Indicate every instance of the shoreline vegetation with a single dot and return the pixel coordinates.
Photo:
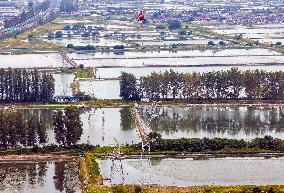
(117, 103)
(183, 147)
(193, 189)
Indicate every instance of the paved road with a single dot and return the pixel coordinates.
(43, 15)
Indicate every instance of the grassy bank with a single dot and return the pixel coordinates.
(120, 103)
(84, 73)
(90, 172)
(209, 189)
(184, 147)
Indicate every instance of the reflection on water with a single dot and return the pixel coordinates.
(102, 125)
(97, 89)
(226, 122)
(34, 177)
(189, 172)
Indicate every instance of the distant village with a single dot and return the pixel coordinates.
(232, 12)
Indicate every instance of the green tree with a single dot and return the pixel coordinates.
(58, 34)
(2, 84)
(173, 25)
(128, 87)
(211, 43)
(50, 35)
(3, 131)
(26, 91)
(46, 88)
(35, 86)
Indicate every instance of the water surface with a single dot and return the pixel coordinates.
(102, 125)
(189, 172)
(43, 60)
(34, 177)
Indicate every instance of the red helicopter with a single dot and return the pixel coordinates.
(141, 16)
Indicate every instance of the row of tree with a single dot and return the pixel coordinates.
(18, 85)
(87, 47)
(16, 129)
(230, 84)
(83, 28)
(206, 144)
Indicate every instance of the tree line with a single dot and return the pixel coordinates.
(206, 144)
(17, 85)
(230, 84)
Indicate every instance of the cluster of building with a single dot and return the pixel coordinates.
(228, 11)
(10, 9)
(34, 14)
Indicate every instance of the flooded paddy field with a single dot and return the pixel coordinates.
(63, 83)
(102, 125)
(187, 53)
(181, 58)
(269, 33)
(271, 41)
(108, 89)
(143, 71)
(257, 32)
(97, 89)
(142, 59)
(177, 42)
(39, 60)
(190, 172)
(189, 62)
(39, 176)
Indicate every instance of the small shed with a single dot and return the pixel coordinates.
(65, 99)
